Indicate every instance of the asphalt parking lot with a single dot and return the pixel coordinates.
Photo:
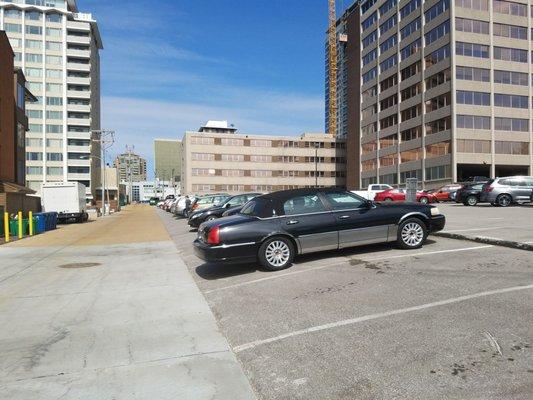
(449, 321)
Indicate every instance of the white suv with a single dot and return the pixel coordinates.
(505, 191)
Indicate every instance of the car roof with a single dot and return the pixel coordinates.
(287, 194)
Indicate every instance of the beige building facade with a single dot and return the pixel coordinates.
(235, 163)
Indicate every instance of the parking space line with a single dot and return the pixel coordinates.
(340, 262)
(351, 321)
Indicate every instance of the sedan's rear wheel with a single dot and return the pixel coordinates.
(276, 253)
(424, 200)
(471, 201)
(387, 199)
(504, 200)
(411, 234)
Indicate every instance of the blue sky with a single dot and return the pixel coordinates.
(170, 65)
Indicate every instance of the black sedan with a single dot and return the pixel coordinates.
(198, 217)
(274, 228)
(469, 194)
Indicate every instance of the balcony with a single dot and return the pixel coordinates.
(79, 121)
(78, 39)
(79, 108)
(78, 67)
(78, 81)
(79, 94)
(79, 53)
(78, 149)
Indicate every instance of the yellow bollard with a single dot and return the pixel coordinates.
(30, 222)
(20, 224)
(6, 227)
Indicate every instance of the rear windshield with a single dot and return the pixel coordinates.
(258, 208)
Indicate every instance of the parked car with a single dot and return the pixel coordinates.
(179, 209)
(201, 203)
(399, 195)
(276, 227)
(232, 211)
(506, 191)
(445, 193)
(478, 179)
(469, 194)
(371, 191)
(209, 214)
(173, 205)
(153, 201)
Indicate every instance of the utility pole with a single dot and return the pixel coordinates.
(129, 177)
(106, 139)
(316, 163)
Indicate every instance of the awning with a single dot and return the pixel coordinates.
(9, 187)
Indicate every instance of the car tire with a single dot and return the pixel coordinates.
(412, 233)
(276, 253)
(424, 200)
(504, 200)
(210, 218)
(470, 201)
(387, 199)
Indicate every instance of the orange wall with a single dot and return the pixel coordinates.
(7, 112)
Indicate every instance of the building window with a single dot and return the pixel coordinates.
(232, 142)
(34, 30)
(260, 158)
(388, 24)
(203, 188)
(367, 6)
(411, 155)
(232, 157)
(34, 156)
(260, 143)
(472, 50)
(473, 146)
(482, 5)
(35, 128)
(13, 28)
(54, 171)
(410, 91)
(56, 156)
(473, 98)
(12, 13)
(410, 174)
(371, 38)
(509, 54)
(79, 170)
(411, 70)
(436, 10)
(411, 134)
(58, 143)
(389, 160)
(439, 125)
(510, 101)
(410, 28)
(34, 15)
(473, 122)
(370, 56)
(388, 63)
(202, 156)
(54, 60)
(53, 128)
(409, 8)
(388, 83)
(34, 170)
(368, 181)
(388, 102)
(510, 78)
(202, 140)
(261, 173)
(369, 93)
(54, 87)
(436, 173)
(53, 17)
(472, 74)
(511, 124)
(437, 149)
(388, 5)
(34, 142)
(34, 44)
(438, 55)
(53, 32)
(388, 121)
(515, 148)
(371, 74)
(411, 112)
(388, 179)
(54, 101)
(34, 58)
(232, 172)
(369, 147)
(37, 114)
(436, 33)
(472, 26)
(369, 129)
(54, 46)
(411, 49)
(438, 102)
(54, 73)
(509, 8)
(438, 79)
(367, 23)
(388, 141)
(369, 165)
(388, 44)
(509, 31)
(202, 171)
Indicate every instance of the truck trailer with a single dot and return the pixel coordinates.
(68, 199)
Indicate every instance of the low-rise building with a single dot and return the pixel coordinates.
(142, 192)
(217, 159)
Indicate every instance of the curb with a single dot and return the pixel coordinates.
(487, 240)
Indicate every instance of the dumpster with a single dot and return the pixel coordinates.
(14, 227)
(40, 223)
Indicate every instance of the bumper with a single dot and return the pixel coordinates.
(225, 253)
(437, 223)
(195, 222)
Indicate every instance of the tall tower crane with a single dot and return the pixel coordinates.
(332, 65)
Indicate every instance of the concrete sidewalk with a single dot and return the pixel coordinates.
(113, 314)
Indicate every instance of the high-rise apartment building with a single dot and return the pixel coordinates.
(217, 159)
(167, 156)
(58, 47)
(130, 166)
(445, 90)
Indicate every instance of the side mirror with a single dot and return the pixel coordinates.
(228, 205)
(369, 204)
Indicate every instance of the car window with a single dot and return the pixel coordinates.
(504, 182)
(237, 201)
(514, 182)
(529, 181)
(384, 187)
(258, 208)
(307, 204)
(344, 201)
(375, 187)
(477, 187)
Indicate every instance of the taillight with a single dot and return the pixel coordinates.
(213, 236)
(487, 188)
(194, 206)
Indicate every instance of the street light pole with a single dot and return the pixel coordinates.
(316, 164)
(105, 139)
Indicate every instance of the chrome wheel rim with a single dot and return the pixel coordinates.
(504, 201)
(471, 201)
(277, 253)
(412, 234)
(424, 200)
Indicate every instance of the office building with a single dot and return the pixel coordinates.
(218, 159)
(131, 167)
(58, 47)
(444, 90)
(167, 156)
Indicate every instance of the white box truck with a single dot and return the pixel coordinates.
(68, 199)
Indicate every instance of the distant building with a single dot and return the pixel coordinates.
(217, 159)
(144, 191)
(13, 127)
(58, 48)
(167, 156)
(130, 164)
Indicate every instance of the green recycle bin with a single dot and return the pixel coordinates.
(14, 227)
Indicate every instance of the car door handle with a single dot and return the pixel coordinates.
(292, 222)
(344, 217)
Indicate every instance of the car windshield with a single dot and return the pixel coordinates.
(258, 208)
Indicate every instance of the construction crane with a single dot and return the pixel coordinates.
(332, 65)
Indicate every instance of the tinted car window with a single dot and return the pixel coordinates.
(258, 208)
(303, 205)
(504, 182)
(344, 201)
(237, 201)
(477, 187)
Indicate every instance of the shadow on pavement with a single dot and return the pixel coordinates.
(211, 271)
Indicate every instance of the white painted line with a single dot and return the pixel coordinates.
(339, 262)
(274, 277)
(370, 317)
(476, 229)
(429, 253)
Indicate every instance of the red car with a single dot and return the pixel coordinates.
(444, 193)
(399, 195)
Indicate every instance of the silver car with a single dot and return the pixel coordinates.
(508, 190)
